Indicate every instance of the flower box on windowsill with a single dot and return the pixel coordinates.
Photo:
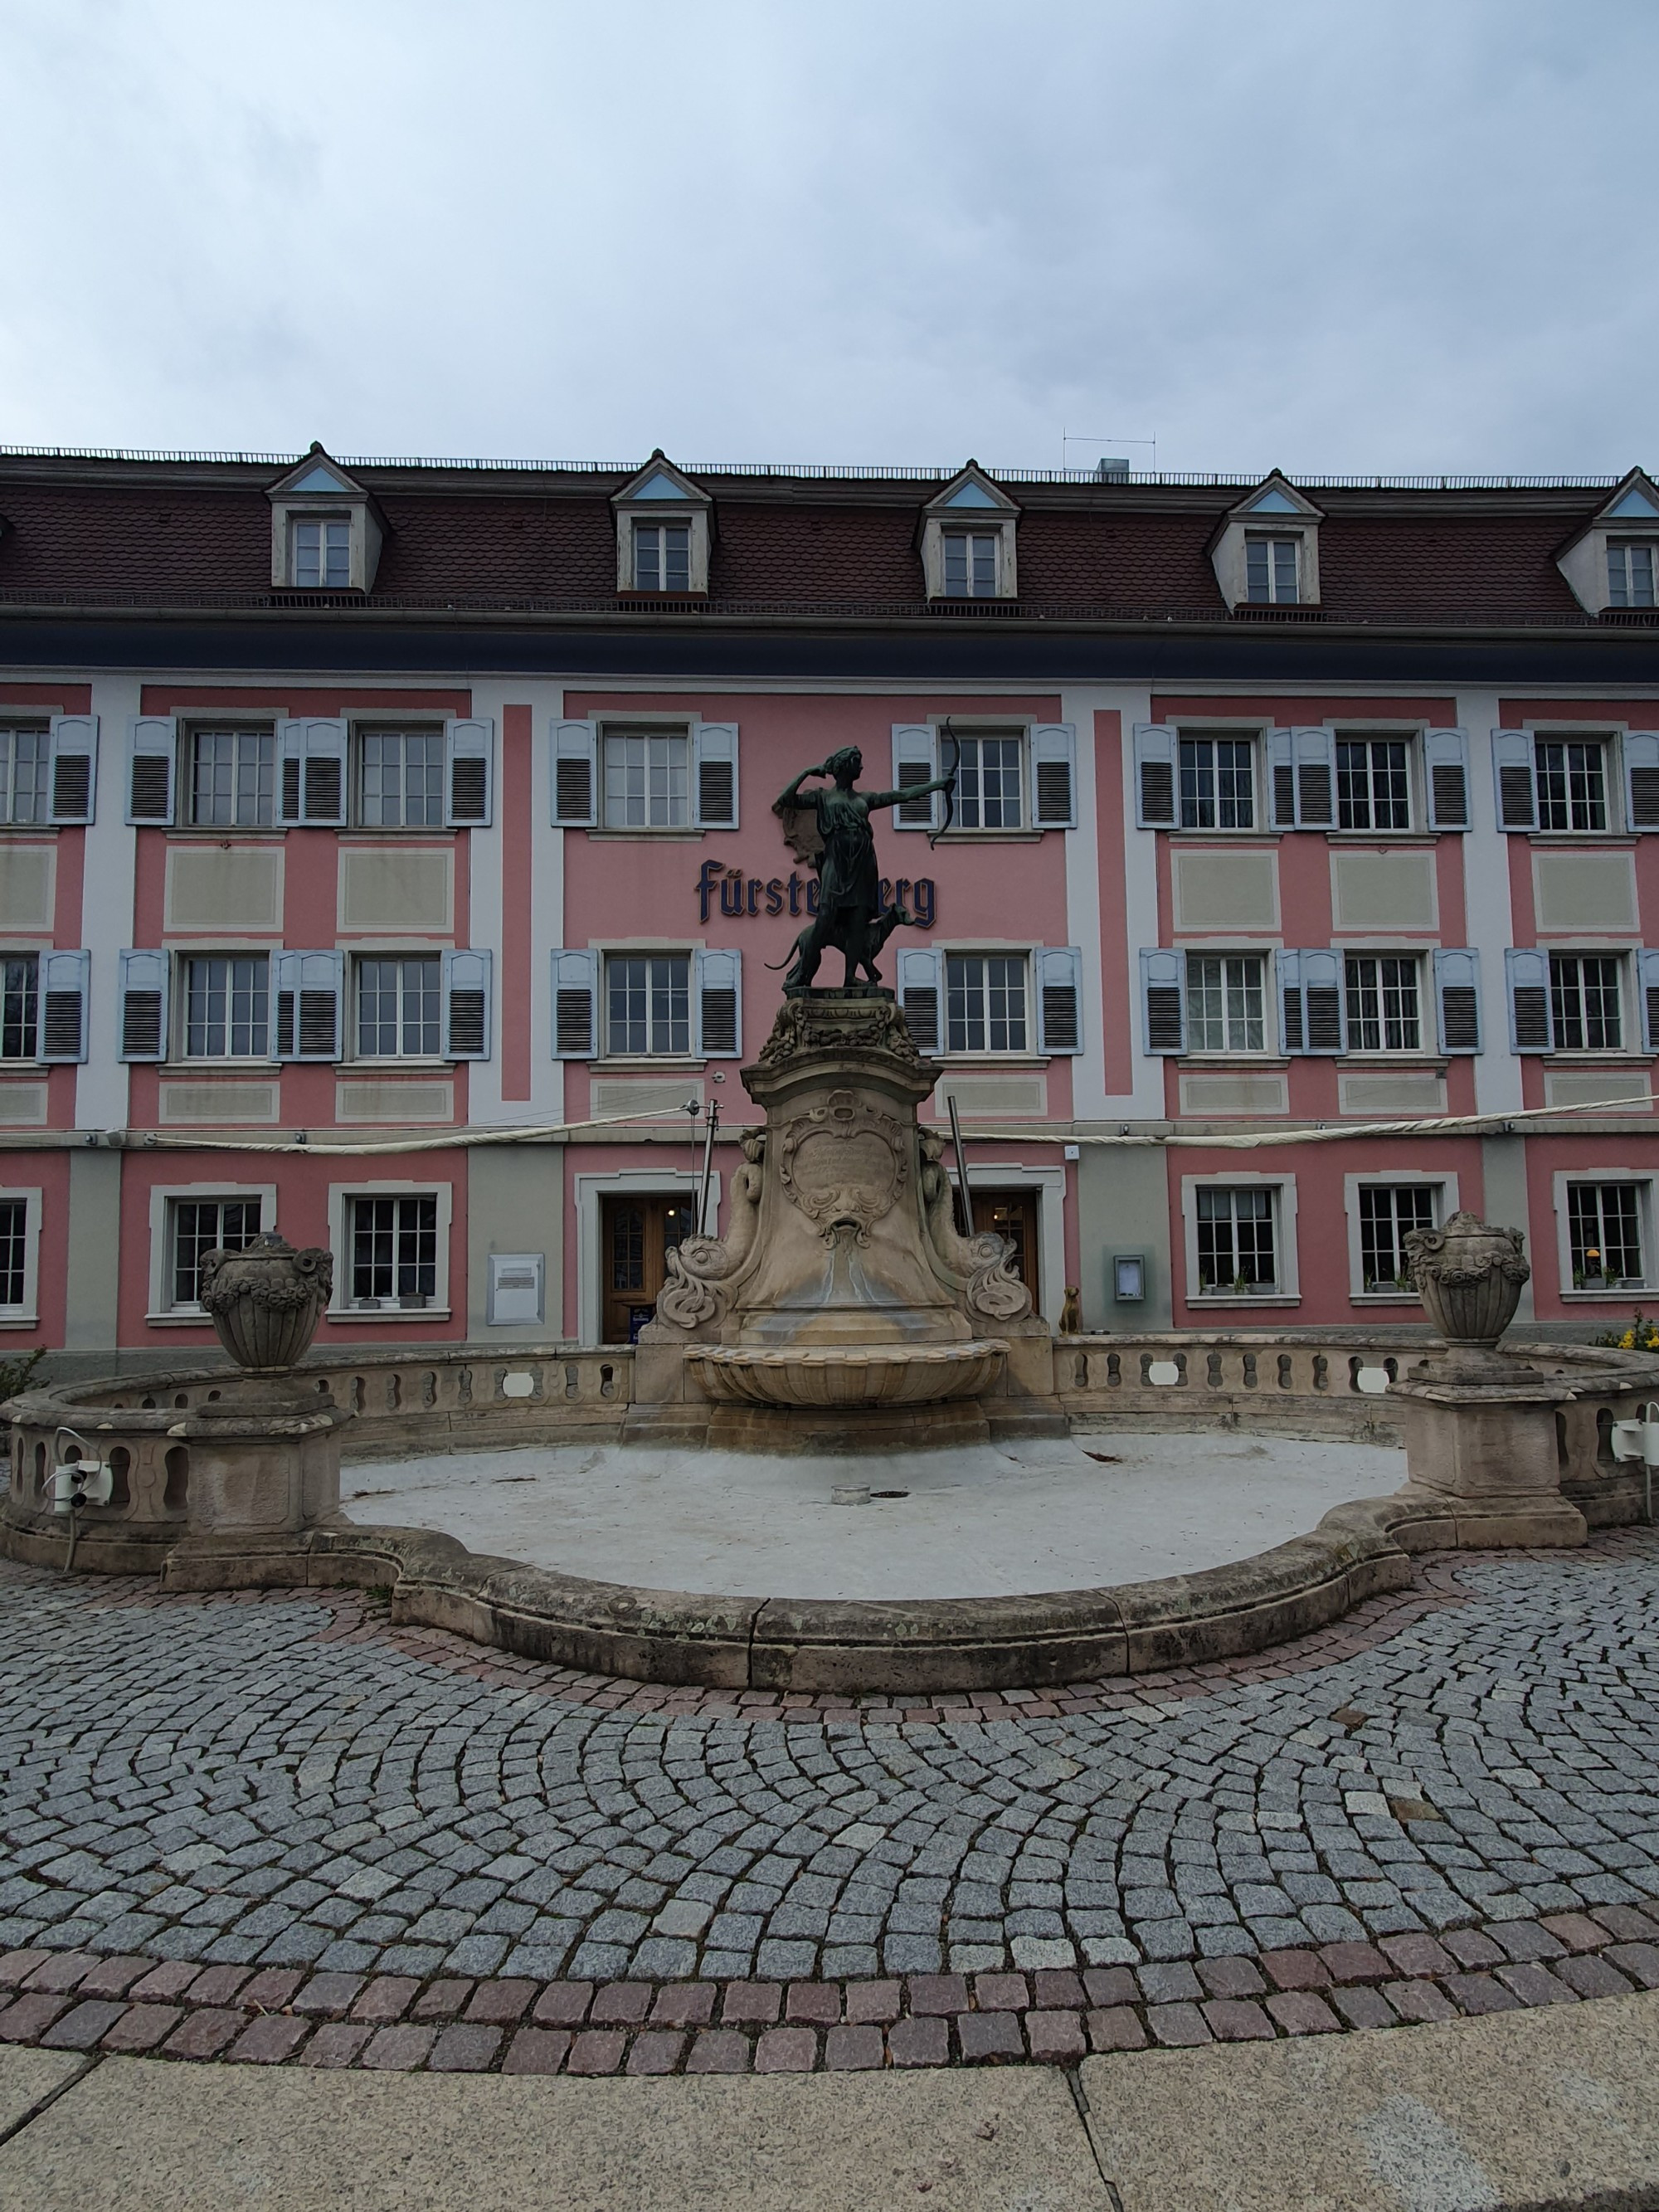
(384, 1310)
(417, 1300)
(1599, 1287)
(1245, 1298)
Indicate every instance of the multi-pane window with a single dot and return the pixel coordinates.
(19, 1005)
(1573, 783)
(400, 779)
(232, 779)
(1218, 784)
(322, 554)
(648, 1002)
(1630, 572)
(1384, 1003)
(985, 1002)
(970, 563)
(662, 556)
(988, 795)
(1225, 1002)
(1388, 1212)
(394, 1250)
(227, 1005)
(648, 780)
(1585, 1003)
(206, 1224)
(1604, 1232)
(1270, 571)
(399, 1003)
(25, 773)
(1237, 1250)
(1373, 784)
(13, 1250)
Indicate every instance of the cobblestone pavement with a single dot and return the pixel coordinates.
(273, 1825)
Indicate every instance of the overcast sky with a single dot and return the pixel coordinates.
(1323, 235)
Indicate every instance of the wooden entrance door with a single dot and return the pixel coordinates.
(1012, 1214)
(637, 1231)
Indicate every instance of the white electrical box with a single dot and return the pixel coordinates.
(80, 1482)
(517, 1289)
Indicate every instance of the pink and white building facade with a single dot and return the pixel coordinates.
(387, 856)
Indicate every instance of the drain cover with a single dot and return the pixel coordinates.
(890, 1494)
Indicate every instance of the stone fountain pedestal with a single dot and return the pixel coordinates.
(844, 1311)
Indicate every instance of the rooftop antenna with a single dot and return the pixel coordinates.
(1109, 466)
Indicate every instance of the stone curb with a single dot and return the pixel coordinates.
(77, 2001)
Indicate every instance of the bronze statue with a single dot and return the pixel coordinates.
(849, 916)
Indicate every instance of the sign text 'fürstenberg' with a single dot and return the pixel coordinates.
(741, 894)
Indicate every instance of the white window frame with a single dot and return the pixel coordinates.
(162, 1312)
(1643, 1180)
(1350, 733)
(1018, 735)
(1263, 956)
(1289, 1292)
(34, 952)
(1273, 540)
(13, 725)
(339, 1228)
(372, 727)
(28, 1314)
(1623, 547)
(355, 958)
(1427, 1027)
(1444, 1180)
(663, 523)
(1605, 742)
(647, 1059)
(1629, 1033)
(621, 726)
(179, 996)
(324, 524)
(973, 536)
(980, 949)
(207, 726)
(1222, 733)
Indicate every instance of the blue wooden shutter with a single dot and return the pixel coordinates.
(469, 758)
(311, 755)
(152, 760)
(1311, 1007)
(714, 786)
(1162, 1000)
(1642, 779)
(717, 1013)
(1514, 776)
(1446, 778)
(64, 981)
(1647, 969)
(1059, 999)
(1053, 775)
(73, 768)
(308, 991)
(913, 758)
(1315, 779)
(1527, 973)
(920, 984)
(1457, 994)
(143, 1006)
(576, 780)
(1281, 778)
(575, 1011)
(467, 978)
(1157, 750)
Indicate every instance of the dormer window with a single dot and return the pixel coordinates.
(322, 554)
(1612, 562)
(968, 540)
(325, 529)
(1630, 572)
(1270, 569)
(663, 530)
(1266, 551)
(662, 556)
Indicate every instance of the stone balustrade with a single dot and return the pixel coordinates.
(1306, 1386)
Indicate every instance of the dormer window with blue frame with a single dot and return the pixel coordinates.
(326, 529)
(1611, 564)
(1265, 551)
(968, 540)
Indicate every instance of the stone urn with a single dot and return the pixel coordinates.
(266, 1300)
(1469, 1277)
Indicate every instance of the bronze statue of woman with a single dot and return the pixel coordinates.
(849, 914)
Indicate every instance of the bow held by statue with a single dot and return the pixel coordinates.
(950, 735)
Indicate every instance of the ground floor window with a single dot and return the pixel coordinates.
(1237, 1239)
(985, 1002)
(394, 1250)
(1388, 1213)
(197, 1225)
(14, 1252)
(1604, 1235)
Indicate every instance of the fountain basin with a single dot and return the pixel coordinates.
(845, 1375)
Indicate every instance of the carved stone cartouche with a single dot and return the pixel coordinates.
(265, 1300)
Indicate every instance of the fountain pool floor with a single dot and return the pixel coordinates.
(991, 1521)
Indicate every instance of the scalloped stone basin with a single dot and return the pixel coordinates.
(847, 1374)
